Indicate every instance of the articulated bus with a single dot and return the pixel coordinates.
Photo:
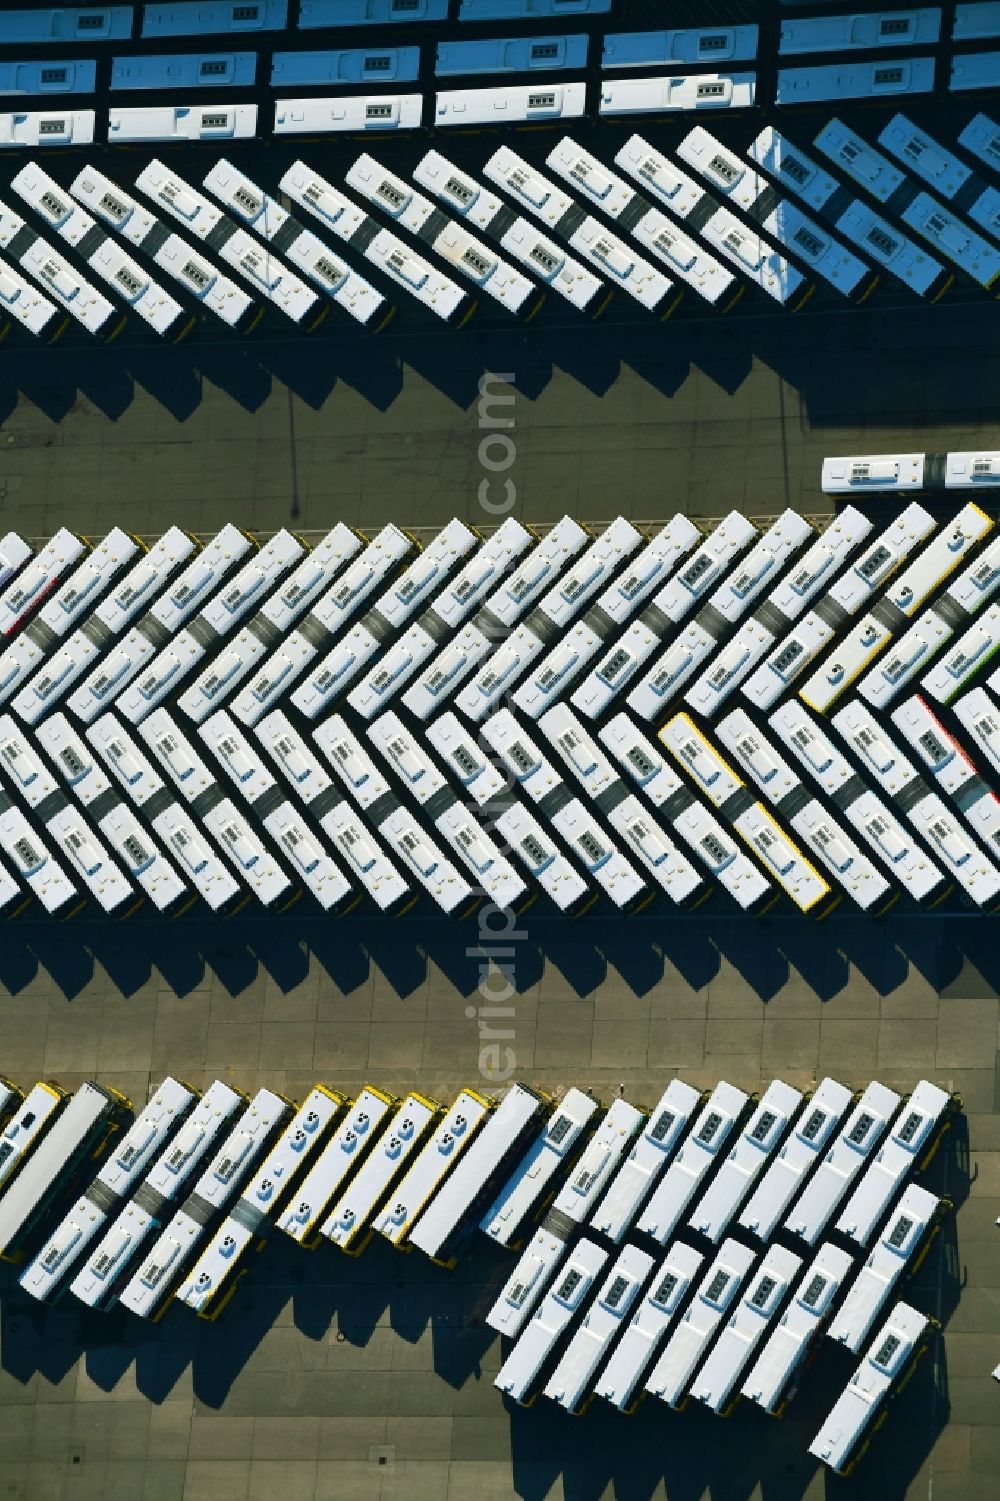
(253, 261)
(569, 1382)
(26, 1127)
(521, 1373)
(435, 1159)
(153, 1129)
(356, 1134)
(766, 1296)
(36, 581)
(756, 1145)
(661, 1304)
(859, 160)
(259, 211)
(79, 1131)
(45, 265)
(724, 1111)
(349, 1224)
(970, 655)
(821, 831)
(913, 1140)
(636, 1177)
(974, 871)
(671, 1376)
(978, 713)
(151, 1288)
(772, 1379)
(981, 137)
(893, 1353)
(785, 1176)
(467, 760)
(545, 860)
(900, 1249)
(929, 160)
(25, 303)
(35, 863)
(219, 1269)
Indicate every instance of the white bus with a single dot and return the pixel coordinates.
(152, 1286)
(432, 1164)
(545, 860)
(660, 1306)
(857, 1139)
(354, 65)
(36, 865)
(908, 263)
(898, 1344)
(671, 1376)
(452, 242)
(949, 764)
(833, 83)
(862, 163)
(924, 156)
(524, 54)
(783, 160)
(974, 871)
(670, 869)
(198, 861)
(800, 1154)
(913, 1139)
(36, 129)
(635, 1179)
(322, 13)
(10, 1099)
(255, 263)
(181, 122)
(716, 1384)
(140, 585)
(153, 1129)
(27, 306)
(601, 857)
(198, 18)
(973, 650)
(357, 1132)
(466, 759)
(512, 104)
(96, 1284)
(908, 863)
(900, 602)
(349, 1223)
(610, 1141)
(216, 1274)
(900, 1248)
(519, 1375)
(527, 1282)
(974, 255)
(670, 93)
(654, 49)
(756, 1145)
(719, 1117)
(979, 715)
(786, 600)
(26, 1127)
(976, 22)
(264, 631)
(517, 1119)
(568, 1385)
(78, 1132)
(58, 278)
(852, 33)
(981, 138)
(89, 859)
(259, 211)
(66, 24)
(551, 1154)
(973, 70)
(772, 1378)
(184, 70)
(363, 113)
